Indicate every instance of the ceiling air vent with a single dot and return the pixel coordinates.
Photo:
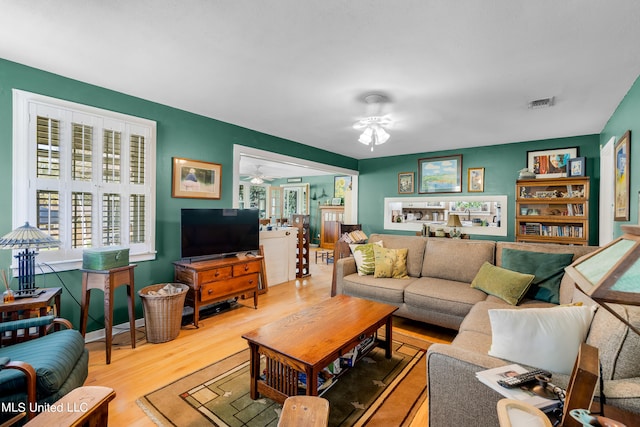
(541, 103)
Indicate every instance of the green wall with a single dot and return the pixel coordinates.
(379, 177)
(627, 117)
(183, 134)
(179, 134)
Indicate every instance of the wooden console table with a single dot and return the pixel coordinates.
(219, 279)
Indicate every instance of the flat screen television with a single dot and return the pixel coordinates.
(216, 233)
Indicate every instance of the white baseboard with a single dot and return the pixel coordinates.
(117, 329)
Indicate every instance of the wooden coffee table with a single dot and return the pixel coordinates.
(310, 340)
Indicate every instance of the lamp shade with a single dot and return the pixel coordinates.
(28, 237)
(612, 273)
(454, 221)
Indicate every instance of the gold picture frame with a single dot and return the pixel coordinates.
(475, 180)
(405, 182)
(195, 179)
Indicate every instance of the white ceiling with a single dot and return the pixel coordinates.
(459, 73)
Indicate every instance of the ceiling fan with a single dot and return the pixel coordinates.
(258, 177)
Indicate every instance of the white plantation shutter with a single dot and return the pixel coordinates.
(85, 176)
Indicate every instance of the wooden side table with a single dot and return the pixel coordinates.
(108, 281)
(41, 303)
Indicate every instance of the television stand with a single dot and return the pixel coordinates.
(219, 279)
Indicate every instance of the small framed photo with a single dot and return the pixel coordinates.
(475, 180)
(576, 167)
(405, 182)
(194, 179)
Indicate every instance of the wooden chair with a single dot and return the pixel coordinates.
(515, 413)
(304, 411)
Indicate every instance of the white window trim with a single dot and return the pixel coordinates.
(22, 101)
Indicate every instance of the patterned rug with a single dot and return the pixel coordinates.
(377, 391)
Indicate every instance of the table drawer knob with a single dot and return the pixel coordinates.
(209, 291)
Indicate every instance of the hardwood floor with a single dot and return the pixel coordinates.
(136, 372)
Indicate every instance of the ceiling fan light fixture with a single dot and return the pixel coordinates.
(256, 180)
(374, 123)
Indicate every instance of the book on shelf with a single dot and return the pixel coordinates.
(325, 380)
(355, 236)
(490, 377)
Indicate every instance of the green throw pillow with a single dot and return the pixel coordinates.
(363, 255)
(502, 283)
(390, 262)
(547, 267)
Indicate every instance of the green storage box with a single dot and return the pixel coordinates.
(105, 258)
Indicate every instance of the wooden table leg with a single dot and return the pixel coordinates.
(388, 338)
(84, 304)
(312, 382)
(108, 314)
(132, 311)
(254, 370)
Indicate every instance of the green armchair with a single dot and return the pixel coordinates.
(38, 368)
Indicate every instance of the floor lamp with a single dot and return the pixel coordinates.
(30, 239)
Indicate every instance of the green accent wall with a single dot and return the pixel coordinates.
(188, 135)
(627, 117)
(179, 134)
(379, 177)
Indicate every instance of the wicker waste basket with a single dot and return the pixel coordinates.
(163, 310)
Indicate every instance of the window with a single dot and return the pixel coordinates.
(85, 176)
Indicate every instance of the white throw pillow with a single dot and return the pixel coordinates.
(547, 338)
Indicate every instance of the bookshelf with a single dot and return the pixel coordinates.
(553, 210)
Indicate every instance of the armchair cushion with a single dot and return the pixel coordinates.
(53, 357)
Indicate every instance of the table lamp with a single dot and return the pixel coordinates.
(28, 238)
(612, 273)
(454, 221)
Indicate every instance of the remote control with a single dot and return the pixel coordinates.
(524, 378)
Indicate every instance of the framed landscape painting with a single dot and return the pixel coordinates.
(621, 186)
(440, 174)
(194, 179)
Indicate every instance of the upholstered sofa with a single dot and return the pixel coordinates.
(438, 291)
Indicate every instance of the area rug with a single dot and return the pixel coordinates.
(376, 392)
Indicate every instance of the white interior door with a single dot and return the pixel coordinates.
(607, 173)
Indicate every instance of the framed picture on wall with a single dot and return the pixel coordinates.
(475, 180)
(440, 174)
(405, 182)
(194, 179)
(621, 180)
(576, 167)
(550, 163)
(340, 185)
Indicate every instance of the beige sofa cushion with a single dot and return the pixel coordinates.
(414, 244)
(619, 346)
(390, 291)
(456, 259)
(442, 296)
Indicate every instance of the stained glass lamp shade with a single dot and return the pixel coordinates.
(28, 238)
(612, 273)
